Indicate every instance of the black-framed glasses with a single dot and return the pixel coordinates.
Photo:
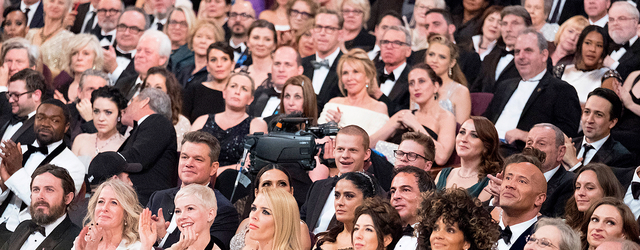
(328, 29)
(393, 44)
(542, 242)
(16, 96)
(243, 16)
(108, 11)
(354, 12)
(133, 29)
(181, 23)
(295, 13)
(410, 155)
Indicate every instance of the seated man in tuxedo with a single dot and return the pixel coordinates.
(623, 23)
(393, 76)
(84, 18)
(499, 64)
(416, 149)
(561, 10)
(198, 164)
(81, 109)
(266, 98)
(321, 67)
(20, 161)
(522, 193)
(390, 18)
(152, 143)
(52, 190)
(108, 13)
(118, 58)
(318, 210)
(160, 14)
(153, 50)
(34, 11)
(25, 93)
(597, 12)
(601, 113)
(405, 194)
(241, 16)
(535, 97)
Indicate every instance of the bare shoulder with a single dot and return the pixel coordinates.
(381, 107)
(338, 100)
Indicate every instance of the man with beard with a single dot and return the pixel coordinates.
(52, 190)
(161, 10)
(20, 161)
(108, 13)
(241, 16)
(625, 54)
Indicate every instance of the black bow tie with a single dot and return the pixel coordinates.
(504, 52)
(385, 77)
(15, 119)
(44, 150)
(33, 228)
(635, 189)
(271, 92)
(320, 64)
(506, 234)
(160, 26)
(408, 231)
(618, 46)
(238, 49)
(108, 37)
(127, 55)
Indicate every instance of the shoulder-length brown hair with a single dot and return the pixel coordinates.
(310, 105)
(173, 90)
(491, 159)
(630, 227)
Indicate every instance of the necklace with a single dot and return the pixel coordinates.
(106, 143)
(466, 177)
(44, 37)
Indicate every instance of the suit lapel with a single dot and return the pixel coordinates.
(308, 67)
(326, 190)
(510, 87)
(170, 206)
(401, 84)
(552, 184)
(25, 126)
(537, 92)
(506, 69)
(3, 129)
(54, 237)
(603, 154)
(21, 234)
(332, 77)
(521, 241)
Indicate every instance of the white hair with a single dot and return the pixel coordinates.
(164, 48)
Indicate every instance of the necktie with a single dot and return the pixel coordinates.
(26, 11)
(504, 52)
(15, 119)
(408, 231)
(554, 17)
(89, 26)
(587, 147)
(635, 189)
(160, 26)
(506, 235)
(33, 228)
(126, 55)
(385, 77)
(32, 149)
(320, 64)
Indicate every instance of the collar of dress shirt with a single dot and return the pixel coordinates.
(550, 173)
(332, 57)
(142, 119)
(596, 144)
(50, 147)
(601, 22)
(536, 78)
(31, 7)
(476, 42)
(397, 71)
(633, 40)
(133, 52)
(635, 178)
(49, 228)
(31, 114)
(518, 229)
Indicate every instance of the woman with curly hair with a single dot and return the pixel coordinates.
(454, 220)
(477, 146)
(377, 225)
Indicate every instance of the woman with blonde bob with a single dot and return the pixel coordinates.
(274, 221)
(195, 212)
(566, 40)
(85, 53)
(112, 218)
(357, 80)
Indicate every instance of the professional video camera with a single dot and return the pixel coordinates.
(280, 146)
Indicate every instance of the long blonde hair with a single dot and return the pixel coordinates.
(456, 72)
(286, 217)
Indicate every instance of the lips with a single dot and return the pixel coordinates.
(253, 226)
(597, 236)
(340, 211)
(186, 224)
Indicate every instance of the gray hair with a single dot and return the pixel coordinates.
(548, 4)
(542, 42)
(94, 72)
(159, 101)
(401, 29)
(630, 8)
(558, 132)
(147, 19)
(164, 43)
(569, 238)
(20, 43)
(79, 42)
(517, 10)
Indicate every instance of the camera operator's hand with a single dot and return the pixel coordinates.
(322, 171)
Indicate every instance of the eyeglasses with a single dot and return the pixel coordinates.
(243, 16)
(354, 12)
(295, 13)
(328, 29)
(393, 44)
(410, 155)
(181, 23)
(16, 96)
(133, 29)
(541, 242)
(621, 19)
(108, 11)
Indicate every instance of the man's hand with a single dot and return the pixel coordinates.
(69, 19)
(516, 135)
(110, 63)
(570, 158)
(493, 187)
(160, 224)
(85, 109)
(11, 155)
(4, 75)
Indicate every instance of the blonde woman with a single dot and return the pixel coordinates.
(566, 40)
(274, 221)
(356, 13)
(85, 53)
(53, 37)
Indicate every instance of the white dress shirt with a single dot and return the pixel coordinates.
(328, 211)
(32, 10)
(12, 129)
(512, 111)
(549, 174)
(87, 16)
(601, 22)
(632, 203)
(516, 231)
(407, 242)
(122, 64)
(36, 238)
(236, 55)
(587, 158)
(319, 75)
(502, 64)
(476, 45)
(373, 53)
(387, 86)
(616, 55)
(272, 105)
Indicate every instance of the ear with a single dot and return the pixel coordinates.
(300, 70)
(546, 54)
(68, 198)
(452, 29)
(144, 102)
(367, 154)
(561, 151)
(613, 123)
(407, 52)
(428, 166)
(466, 245)
(66, 127)
(214, 168)
(453, 63)
(37, 94)
(540, 199)
(211, 216)
(387, 240)
(163, 60)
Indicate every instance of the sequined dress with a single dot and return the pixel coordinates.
(231, 140)
(54, 50)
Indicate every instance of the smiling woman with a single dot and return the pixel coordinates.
(377, 226)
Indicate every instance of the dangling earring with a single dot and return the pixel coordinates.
(366, 86)
(436, 95)
(118, 119)
(450, 73)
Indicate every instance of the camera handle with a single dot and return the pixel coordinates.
(249, 143)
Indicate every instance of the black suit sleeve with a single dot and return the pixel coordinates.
(567, 112)
(150, 142)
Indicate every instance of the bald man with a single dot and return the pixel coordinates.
(522, 193)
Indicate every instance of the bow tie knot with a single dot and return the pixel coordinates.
(109, 37)
(126, 55)
(505, 234)
(619, 46)
(385, 77)
(407, 231)
(43, 149)
(505, 52)
(238, 49)
(33, 228)
(16, 119)
(320, 64)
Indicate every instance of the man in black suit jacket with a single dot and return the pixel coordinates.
(321, 67)
(625, 56)
(35, 14)
(152, 143)
(601, 113)
(197, 146)
(393, 75)
(537, 97)
(86, 17)
(560, 11)
(50, 227)
(499, 64)
(23, 101)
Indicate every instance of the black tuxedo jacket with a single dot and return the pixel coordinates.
(553, 101)
(61, 238)
(559, 189)
(260, 99)
(82, 14)
(485, 82)
(572, 8)
(519, 243)
(25, 134)
(612, 153)
(630, 61)
(38, 17)
(625, 176)
(152, 144)
(398, 98)
(316, 198)
(330, 87)
(223, 228)
(126, 80)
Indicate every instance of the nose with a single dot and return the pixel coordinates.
(396, 194)
(358, 234)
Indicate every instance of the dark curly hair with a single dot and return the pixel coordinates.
(386, 220)
(455, 205)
